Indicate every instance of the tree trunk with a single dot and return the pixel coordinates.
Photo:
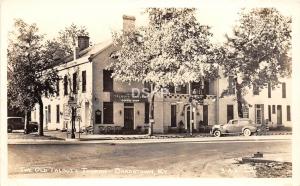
(239, 98)
(41, 115)
(26, 122)
(151, 114)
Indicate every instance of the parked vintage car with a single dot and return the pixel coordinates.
(17, 123)
(237, 126)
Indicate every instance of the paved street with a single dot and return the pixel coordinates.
(184, 159)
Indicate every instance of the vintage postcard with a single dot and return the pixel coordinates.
(93, 92)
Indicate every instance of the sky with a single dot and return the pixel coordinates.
(102, 17)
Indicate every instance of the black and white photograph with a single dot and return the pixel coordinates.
(149, 90)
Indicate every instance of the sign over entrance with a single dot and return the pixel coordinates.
(128, 97)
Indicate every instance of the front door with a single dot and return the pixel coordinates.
(259, 113)
(188, 119)
(205, 114)
(279, 114)
(128, 118)
(229, 112)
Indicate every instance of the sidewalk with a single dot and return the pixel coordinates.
(123, 139)
(58, 135)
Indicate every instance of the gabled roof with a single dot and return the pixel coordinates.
(91, 51)
(87, 54)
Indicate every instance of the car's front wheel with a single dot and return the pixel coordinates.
(217, 133)
(247, 132)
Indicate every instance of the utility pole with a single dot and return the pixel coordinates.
(191, 109)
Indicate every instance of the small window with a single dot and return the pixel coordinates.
(283, 90)
(75, 83)
(83, 74)
(288, 112)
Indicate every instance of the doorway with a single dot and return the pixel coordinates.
(259, 113)
(229, 112)
(188, 118)
(128, 116)
(279, 115)
(173, 116)
(205, 115)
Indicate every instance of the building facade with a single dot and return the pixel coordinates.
(102, 102)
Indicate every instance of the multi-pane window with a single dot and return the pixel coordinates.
(182, 89)
(255, 89)
(283, 90)
(57, 114)
(288, 113)
(75, 83)
(269, 90)
(108, 111)
(231, 83)
(107, 81)
(65, 85)
(83, 74)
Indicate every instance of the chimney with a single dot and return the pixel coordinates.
(128, 23)
(83, 42)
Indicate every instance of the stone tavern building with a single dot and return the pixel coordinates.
(104, 102)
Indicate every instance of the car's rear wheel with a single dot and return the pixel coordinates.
(9, 129)
(247, 132)
(217, 133)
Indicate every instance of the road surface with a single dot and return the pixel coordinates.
(185, 159)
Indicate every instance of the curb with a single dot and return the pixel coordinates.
(170, 140)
